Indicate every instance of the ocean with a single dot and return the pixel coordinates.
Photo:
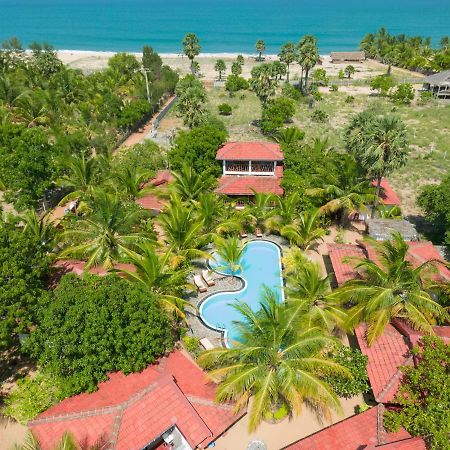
(222, 25)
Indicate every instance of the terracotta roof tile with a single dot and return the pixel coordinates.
(132, 410)
(388, 195)
(152, 202)
(344, 271)
(162, 177)
(246, 151)
(243, 185)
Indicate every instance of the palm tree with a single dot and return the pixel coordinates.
(211, 210)
(183, 232)
(81, 178)
(307, 292)
(286, 212)
(349, 193)
(289, 135)
(129, 182)
(275, 362)
(191, 48)
(40, 227)
(263, 83)
(386, 212)
(288, 55)
(103, 235)
(306, 230)
(155, 272)
(260, 47)
(188, 184)
(390, 288)
(220, 67)
(308, 56)
(230, 251)
(261, 209)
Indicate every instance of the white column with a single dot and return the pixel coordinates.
(223, 167)
(249, 167)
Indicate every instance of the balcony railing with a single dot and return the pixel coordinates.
(249, 168)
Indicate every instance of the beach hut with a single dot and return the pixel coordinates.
(340, 57)
(438, 84)
(382, 229)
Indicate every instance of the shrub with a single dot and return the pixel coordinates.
(276, 113)
(143, 156)
(225, 109)
(424, 395)
(291, 92)
(320, 77)
(192, 344)
(403, 94)
(133, 113)
(425, 97)
(382, 83)
(356, 363)
(279, 414)
(34, 395)
(334, 88)
(349, 99)
(235, 83)
(121, 321)
(318, 115)
(361, 408)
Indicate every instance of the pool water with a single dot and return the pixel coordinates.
(261, 266)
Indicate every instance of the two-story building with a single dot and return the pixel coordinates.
(249, 167)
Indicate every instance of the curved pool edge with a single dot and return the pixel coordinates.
(202, 302)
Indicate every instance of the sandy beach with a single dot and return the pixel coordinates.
(91, 61)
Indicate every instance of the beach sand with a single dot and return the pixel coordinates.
(90, 61)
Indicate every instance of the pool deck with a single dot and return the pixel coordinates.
(223, 284)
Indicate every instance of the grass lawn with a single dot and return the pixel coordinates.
(429, 131)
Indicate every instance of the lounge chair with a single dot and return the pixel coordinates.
(199, 283)
(258, 233)
(207, 278)
(243, 234)
(206, 344)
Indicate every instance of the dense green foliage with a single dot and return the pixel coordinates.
(424, 395)
(197, 148)
(50, 112)
(434, 200)
(191, 101)
(276, 113)
(409, 52)
(24, 266)
(94, 325)
(356, 363)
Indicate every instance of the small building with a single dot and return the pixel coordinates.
(170, 404)
(340, 57)
(438, 84)
(152, 201)
(383, 229)
(249, 167)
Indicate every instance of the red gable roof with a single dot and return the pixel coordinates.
(385, 356)
(130, 411)
(358, 432)
(152, 202)
(162, 177)
(388, 195)
(237, 185)
(246, 151)
(344, 271)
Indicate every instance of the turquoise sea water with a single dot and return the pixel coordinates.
(222, 25)
(261, 266)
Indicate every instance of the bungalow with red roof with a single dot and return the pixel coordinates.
(152, 201)
(168, 405)
(250, 167)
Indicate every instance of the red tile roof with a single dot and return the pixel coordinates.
(423, 251)
(77, 267)
(246, 151)
(152, 202)
(388, 195)
(358, 432)
(344, 271)
(385, 356)
(413, 443)
(162, 177)
(237, 185)
(129, 411)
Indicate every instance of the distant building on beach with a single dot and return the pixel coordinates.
(337, 57)
(250, 167)
(438, 84)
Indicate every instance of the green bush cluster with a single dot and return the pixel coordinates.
(276, 113)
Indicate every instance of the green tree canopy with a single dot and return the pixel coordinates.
(121, 322)
(288, 55)
(191, 47)
(220, 67)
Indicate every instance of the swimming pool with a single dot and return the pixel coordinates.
(261, 266)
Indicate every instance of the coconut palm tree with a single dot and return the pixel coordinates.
(40, 227)
(220, 67)
(308, 56)
(104, 233)
(155, 272)
(129, 182)
(230, 251)
(388, 289)
(183, 232)
(212, 211)
(263, 83)
(188, 184)
(307, 292)
(289, 135)
(261, 209)
(288, 55)
(81, 178)
(260, 47)
(275, 362)
(286, 212)
(350, 192)
(191, 48)
(306, 229)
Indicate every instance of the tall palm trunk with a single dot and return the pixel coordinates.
(377, 193)
(287, 72)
